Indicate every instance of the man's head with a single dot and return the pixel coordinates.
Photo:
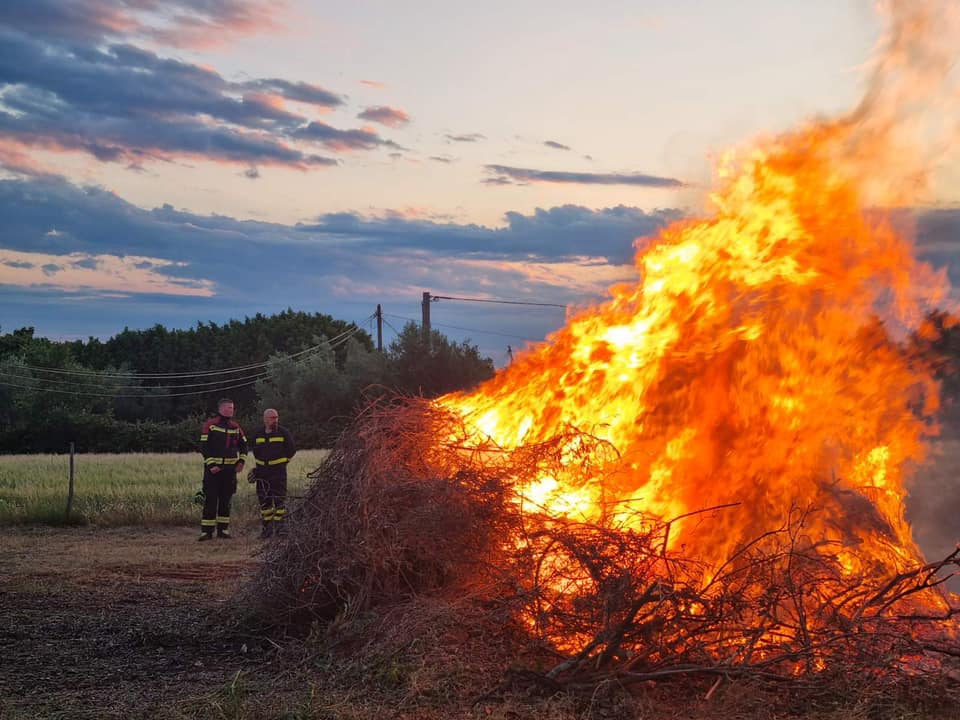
(270, 418)
(225, 407)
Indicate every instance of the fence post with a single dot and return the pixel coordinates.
(70, 493)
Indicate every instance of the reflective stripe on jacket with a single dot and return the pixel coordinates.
(222, 442)
(275, 448)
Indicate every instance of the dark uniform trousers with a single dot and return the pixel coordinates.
(218, 490)
(273, 451)
(272, 494)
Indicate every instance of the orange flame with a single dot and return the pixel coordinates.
(756, 361)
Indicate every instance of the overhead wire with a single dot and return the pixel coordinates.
(127, 395)
(499, 302)
(387, 323)
(476, 330)
(203, 373)
(232, 383)
(261, 368)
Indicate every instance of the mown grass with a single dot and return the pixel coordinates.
(121, 490)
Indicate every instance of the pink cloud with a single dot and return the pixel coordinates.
(385, 115)
(375, 84)
(15, 157)
(102, 273)
(584, 276)
(199, 29)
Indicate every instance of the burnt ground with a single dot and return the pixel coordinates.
(120, 622)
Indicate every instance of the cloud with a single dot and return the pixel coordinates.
(559, 234)
(466, 138)
(252, 172)
(446, 159)
(555, 145)
(178, 23)
(375, 84)
(121, 103)
(100, 273)
(298, 92)
(15, 157)
(232, 255)
(385, 115)
(341, 140)
(174, 267)
(505, 173)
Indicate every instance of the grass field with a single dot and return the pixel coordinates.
(122, 490)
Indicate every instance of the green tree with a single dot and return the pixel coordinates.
(309, 392)
(432, 366)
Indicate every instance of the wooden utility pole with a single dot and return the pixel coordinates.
(426, 315)
(379, 328)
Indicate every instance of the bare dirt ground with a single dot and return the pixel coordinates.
(138, 623)
(97, 622)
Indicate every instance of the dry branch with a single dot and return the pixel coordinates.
(411, 505)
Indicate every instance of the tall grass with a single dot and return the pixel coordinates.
(121, 490)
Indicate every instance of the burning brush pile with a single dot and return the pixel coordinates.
(705, 474)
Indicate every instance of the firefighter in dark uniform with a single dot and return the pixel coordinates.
(224, 449)
(273, 447)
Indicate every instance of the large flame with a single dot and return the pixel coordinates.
(757, 361)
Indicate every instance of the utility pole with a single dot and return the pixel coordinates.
(426, 316)
(379, 314)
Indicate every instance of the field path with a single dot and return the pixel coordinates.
(119, 622)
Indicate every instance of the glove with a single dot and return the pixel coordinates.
(199, 497)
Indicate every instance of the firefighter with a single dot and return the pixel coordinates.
(273, 448)
(224, 449)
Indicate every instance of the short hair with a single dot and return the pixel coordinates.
(223, 401)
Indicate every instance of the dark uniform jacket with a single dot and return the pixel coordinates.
(222, 442)
(273, 451)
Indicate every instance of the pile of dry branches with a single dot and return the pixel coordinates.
(410, 506)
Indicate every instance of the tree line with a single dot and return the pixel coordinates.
(315, 369)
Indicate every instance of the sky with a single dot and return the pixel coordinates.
(177, 161)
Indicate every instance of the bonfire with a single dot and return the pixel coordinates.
(706, 473)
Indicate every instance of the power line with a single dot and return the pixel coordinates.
(500, 302)
(204, 373)
(244, 382)
(387, 323)
(457, 327)
(131, 387)
(127, 395)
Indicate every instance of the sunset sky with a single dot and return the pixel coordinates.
(176, 161)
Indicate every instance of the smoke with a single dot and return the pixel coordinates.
(933, 502)
(907, 119)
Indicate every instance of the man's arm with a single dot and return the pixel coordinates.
(205, 446)
(289, 445)
(241, 448)
(204, 438)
